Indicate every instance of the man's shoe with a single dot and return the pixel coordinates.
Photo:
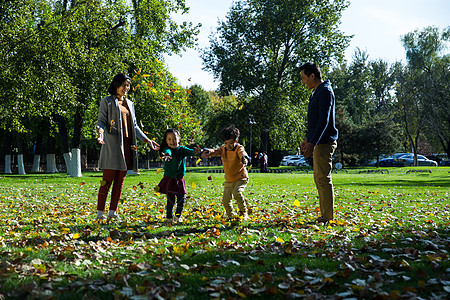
(244, 217)
(178, 219)
(322, 220)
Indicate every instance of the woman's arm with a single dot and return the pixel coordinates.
(102, 119)
(139, 133)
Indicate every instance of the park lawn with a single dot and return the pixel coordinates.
(390, 239)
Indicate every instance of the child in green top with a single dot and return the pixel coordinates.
(173, 183)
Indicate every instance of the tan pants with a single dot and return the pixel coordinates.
(322, 157)
(234, 189)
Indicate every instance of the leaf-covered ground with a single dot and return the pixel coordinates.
(390, 239)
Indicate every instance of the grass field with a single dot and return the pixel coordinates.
(390, 239)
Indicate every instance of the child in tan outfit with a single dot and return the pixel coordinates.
(234, 159)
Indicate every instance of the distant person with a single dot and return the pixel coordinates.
(235, 160)
(321, 137)
(117, 130)
(263, 162)
(173, 184)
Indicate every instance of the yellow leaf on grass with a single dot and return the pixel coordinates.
(356, 229)
(158, 171)
(76, 236)
(327, 280)
(194, 186)
(297, 203)
(198, 161)
(178, 250)
(279, 240)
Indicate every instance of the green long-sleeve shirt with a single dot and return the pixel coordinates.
(176, 167)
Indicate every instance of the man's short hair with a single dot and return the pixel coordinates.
(311, 68)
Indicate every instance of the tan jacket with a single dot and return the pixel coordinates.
(232, 162)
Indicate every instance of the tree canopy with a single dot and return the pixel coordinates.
(60, 56)
(257, 50)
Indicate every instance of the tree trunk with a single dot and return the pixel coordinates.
(76, 163)
(8, 164)
(51, 163)
(8, 153)
(76, 142)
(51, 157)
(37, 151)
(36, 163)
(64, 141)
(20, 160)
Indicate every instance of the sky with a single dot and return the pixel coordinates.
(377, 26)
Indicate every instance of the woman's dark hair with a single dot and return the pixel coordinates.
(117, 81)
(163, 144)
(311, 68)
(229, 133)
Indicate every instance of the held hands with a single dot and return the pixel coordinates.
(197, 149)
(205, 153)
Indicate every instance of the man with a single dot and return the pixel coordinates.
(321, 136)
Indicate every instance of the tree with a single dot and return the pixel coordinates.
(200, 101)
(161, 103)
(256, 52)
(61, 62)
(421, 87)
(364, 102)
(438, 107)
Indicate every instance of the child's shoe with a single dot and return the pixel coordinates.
(101, 218)
(114, 218)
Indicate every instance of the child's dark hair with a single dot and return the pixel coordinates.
(229, 133)
(163, 144)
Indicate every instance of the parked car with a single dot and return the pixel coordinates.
(445, 163)
(286, 159)
(298, 162)
(407, 160)
(435, 158)
(389, 161)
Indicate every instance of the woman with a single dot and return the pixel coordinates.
(117, 131)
